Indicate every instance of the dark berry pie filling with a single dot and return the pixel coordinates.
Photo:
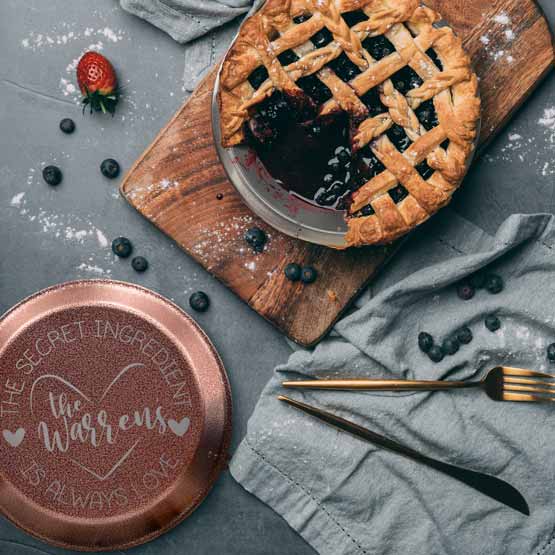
(310, 155)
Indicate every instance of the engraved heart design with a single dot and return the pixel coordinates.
(75, 389)
(179, 428)
(14, 438)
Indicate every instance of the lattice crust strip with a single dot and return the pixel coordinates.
(411, 28)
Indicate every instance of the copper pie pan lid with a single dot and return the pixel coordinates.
(115, 415)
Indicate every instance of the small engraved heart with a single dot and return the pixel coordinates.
(179, 428)
(14, 438)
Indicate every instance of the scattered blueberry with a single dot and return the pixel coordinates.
(67, 125)
(494, 283)
(293, 272)
(122, 247)
(308, 274)
(464, 335)
(477, 280)
(436, 353)
(109, 168)
(256, 238)
(492, 322)
(139, 263)
(450, 345)
(551, 352)
(199, 301)
(220, 196)
(52, 175)
(425, 341)
(465, 291)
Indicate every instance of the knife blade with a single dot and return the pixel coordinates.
(491, 486)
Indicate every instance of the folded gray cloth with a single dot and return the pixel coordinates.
(185, 20)
(212, 23)
(345, 496)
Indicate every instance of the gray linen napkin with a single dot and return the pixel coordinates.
(208, 25)
(348, 497)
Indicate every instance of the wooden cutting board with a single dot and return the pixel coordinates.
(178, 182)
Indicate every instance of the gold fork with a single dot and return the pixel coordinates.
(502, 383)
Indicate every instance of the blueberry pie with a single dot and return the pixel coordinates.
(366, 106)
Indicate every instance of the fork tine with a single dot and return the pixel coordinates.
(526, 381)
(526, 397)
(511, 387)
(510, 371)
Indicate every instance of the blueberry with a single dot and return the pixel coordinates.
(425, 341)
(494, 283)
(293, 272)
(379, 47)
(551, 352)
(344, 156)
(436, 354)
(465, 291)
(52, 175)
(477, 280)
(464, 335)
(315, 130)
(325, 198)
(109, 168)
(334, 166)
(256, 238)
(321, 38)
(308, 274)
(433, 55)
(139, 263)
(199, 301)
(301, 18)
(219, 196)
(492, 322)
(67, 125)
(367, 210)
(354, 17)
(122, 247)
(450, 345)
(258, 76)
(337, 187)
(287, 57)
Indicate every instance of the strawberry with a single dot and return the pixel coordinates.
(97, 80)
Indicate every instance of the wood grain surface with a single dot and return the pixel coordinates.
(181, 187)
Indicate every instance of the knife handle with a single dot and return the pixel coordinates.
(356, 384)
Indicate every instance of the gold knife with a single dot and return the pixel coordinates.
(484, 483)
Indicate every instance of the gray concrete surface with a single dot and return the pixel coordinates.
(50, 235)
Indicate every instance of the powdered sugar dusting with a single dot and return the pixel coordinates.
(532, 150)
(502, 18)
(548, 118)
(66, 227)
(101, 238)
(17, 199)
(93, 269)
(498, 47)
(39, 41)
